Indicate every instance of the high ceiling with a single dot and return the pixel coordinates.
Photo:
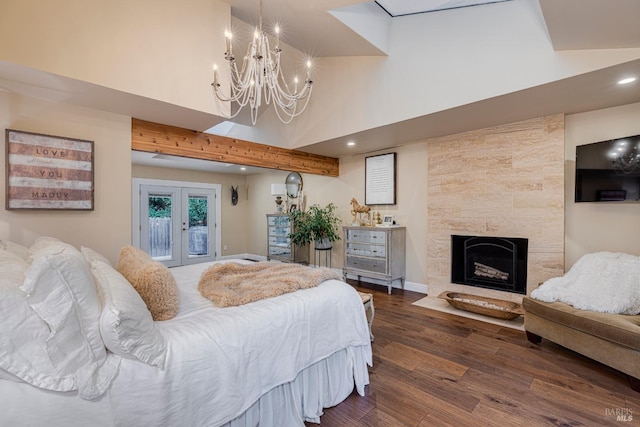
(327, 29)
(571, 25)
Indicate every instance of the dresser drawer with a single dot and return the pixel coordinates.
(362, 249)
(279, 231)
(367, 264)
(366, 236)
(281, 221)
(280, 251)
(279, 241)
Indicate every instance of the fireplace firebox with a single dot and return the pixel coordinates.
(490, 262)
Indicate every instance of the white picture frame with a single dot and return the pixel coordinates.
(387, 220)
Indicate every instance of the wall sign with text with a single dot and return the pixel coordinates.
(380, 180)
(48, 172)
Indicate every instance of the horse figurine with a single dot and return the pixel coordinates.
(357, 209)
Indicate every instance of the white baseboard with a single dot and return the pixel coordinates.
(251, 257)
(408, 285)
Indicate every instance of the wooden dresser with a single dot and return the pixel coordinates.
(376, 252)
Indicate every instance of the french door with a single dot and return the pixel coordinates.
(177, 224)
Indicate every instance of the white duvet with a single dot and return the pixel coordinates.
(221, 360)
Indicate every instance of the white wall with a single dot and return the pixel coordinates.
(592, 227)
(108, 227)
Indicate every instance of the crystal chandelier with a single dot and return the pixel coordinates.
(626, 157)
(260, 79)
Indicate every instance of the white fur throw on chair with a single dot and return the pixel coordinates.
(607, 282)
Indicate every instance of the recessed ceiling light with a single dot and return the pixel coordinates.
(243, 168)
(351, 143)
(626, 81)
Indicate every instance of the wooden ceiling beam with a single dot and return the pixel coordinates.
(163, 139)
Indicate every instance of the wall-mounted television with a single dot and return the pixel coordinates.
(608, 171)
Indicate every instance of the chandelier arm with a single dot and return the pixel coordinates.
(260, 78)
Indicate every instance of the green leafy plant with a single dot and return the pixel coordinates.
(315, 224)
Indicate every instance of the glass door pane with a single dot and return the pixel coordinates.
(198, 225)
(160, 225)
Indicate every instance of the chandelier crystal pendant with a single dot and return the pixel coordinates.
(260, 79)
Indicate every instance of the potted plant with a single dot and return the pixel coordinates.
(316, 224)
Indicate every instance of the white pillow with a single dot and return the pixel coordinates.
(61, 290)
(126, 325)
(12, 267)
(15, 249)
(44, 242)
(23, 343)
(90, 255)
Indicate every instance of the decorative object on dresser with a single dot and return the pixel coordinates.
(279, 245)
(279, 190)
(387, 221)
(357, 212)
(373, 252)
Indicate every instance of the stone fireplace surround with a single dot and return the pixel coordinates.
(506, 180)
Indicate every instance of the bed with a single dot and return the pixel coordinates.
(277, 361)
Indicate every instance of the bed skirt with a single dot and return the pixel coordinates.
(322, 385)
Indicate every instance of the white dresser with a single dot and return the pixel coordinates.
(376, 252)
(278, 243)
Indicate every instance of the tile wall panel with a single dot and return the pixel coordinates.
(503, 181)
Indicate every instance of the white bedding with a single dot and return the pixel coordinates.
(223, 361)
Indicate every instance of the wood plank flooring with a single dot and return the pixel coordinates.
(436, 369)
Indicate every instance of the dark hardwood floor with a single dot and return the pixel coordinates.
(435, 369)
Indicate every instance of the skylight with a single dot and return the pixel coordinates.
(411, 7)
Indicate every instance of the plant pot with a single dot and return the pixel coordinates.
(323, 244)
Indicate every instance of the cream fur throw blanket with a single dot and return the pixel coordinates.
(603, 281)
(235, 284)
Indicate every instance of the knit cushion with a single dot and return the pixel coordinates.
(153, 281)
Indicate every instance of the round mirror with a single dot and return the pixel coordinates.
(294, 184)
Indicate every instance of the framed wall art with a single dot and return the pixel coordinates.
(380, 179)
(48, 172)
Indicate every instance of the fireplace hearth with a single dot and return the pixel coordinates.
(490, 262)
